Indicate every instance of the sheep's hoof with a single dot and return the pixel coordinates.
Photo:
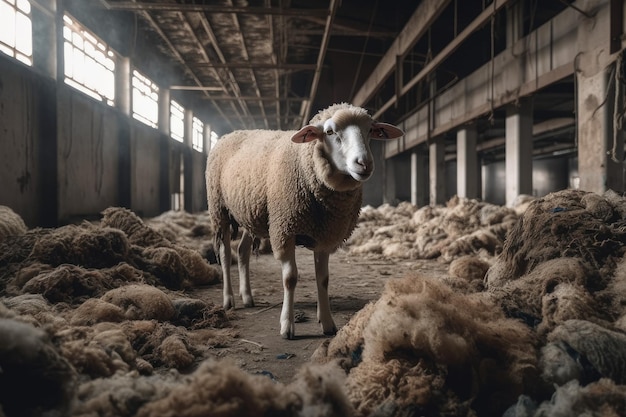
(229, 302)
(247, 301)
(288, 335)
(287, 332)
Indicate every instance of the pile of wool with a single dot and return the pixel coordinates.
(564, 260)
(423, 348)
(110, 369)
(189, 230)
(463, 227)
(34, 376)
(96, 300)
(175, 265)
(11, 223)
(83, 257)
(562, 272)
(601, 398)
(195, 231)
(216, 388)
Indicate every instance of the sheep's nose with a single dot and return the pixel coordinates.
(364, 164)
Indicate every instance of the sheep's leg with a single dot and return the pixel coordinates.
(225, 259)
(323, 303)
(290, 279)
(243, 250)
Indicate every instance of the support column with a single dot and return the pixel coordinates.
(519, 147)
(206, 138)
(467, 174)
(43, 14)
(597, 146)
(123, 89)
(419, 178)
(437, 168)
(164, 111)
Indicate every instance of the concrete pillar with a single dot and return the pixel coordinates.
(206, 138)
(597, 145)
(467, 173)
(187, 139)
(164, 111)
(389, 181)
(514, 22)
(44, 24)
(437, 168)
(419, 175)
(123, 85)
(519, 147)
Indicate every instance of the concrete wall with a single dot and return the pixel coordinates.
(87, 155)
(27, 144)
(145, 170)
(549, 174)
(65, 156)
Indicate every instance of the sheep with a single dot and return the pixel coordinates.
(297, 188)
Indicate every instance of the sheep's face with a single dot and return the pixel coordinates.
(346, 140)
(348, 147)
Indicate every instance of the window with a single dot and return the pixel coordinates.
(89, 63)
(177, 121)
(197, 134)
(16, 34)
(145, 100)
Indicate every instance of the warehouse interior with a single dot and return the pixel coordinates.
(483, 272)
(497, 99)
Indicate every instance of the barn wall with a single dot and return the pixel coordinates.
(87, 155)
(65, 156)
(549, 174)
(27, 144)
(145, 169)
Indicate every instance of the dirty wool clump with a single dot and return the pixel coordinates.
(216, 388)
(425, 348)
(463, 227)
(34, 376)
(561, 261)
(569, 223)
(11, 223)
(174, 265)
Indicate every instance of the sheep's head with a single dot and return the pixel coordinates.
(346, 138)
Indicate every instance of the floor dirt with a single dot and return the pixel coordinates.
(354, 281)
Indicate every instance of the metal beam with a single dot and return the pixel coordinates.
(476, 24)
(177, 7)
(306, 105)
(418, 24)
(255, 65)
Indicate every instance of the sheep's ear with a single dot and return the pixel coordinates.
(307, 134)
(384, 131)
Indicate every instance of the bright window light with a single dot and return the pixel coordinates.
(89, 63)
(16, 33)
(197, 134)
(145, 100)
(214, 138)
(177, 121)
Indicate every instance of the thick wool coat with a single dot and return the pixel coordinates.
(289, 192)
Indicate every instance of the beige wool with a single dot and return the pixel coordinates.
(279, 192)
(424, 345)
(11, 223)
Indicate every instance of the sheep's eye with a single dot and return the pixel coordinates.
(330, 132)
